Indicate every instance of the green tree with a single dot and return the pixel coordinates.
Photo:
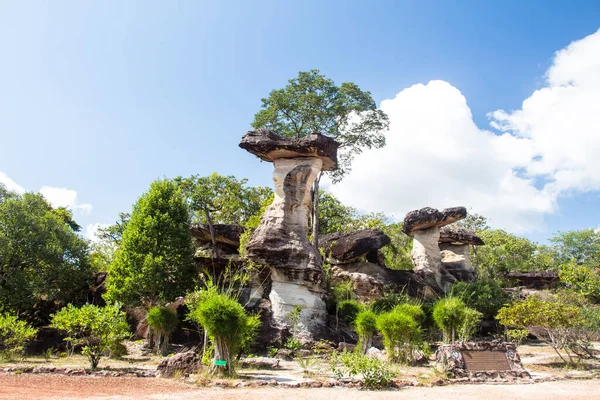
(97, 329)
(219, 199)
(365, 325)
(397, 254)
(584, 279)
(313, 103)
(504, 252)
(226, 322)
(484, 295)
(583, 246)
(454, 318)
(14, 334)
(162, 321)
(155, 260)
(43, 260)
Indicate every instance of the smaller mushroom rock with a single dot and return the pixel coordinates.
(429, 217)
(347, 247)
(269, 146)
(226, 234)
(459, 235)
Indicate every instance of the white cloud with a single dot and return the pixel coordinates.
(10, 184)
(61, 197)
(436, 156)
(91, 231)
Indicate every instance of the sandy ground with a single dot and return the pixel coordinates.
(31, 386)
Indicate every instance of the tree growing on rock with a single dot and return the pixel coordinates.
(154, 263)
(313, 103)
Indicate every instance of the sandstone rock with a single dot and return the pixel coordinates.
(430, 217)
(427, 257)
(347, 247)
(281, 242)
(260, 363)
(225, 234)
(349, 347)
(185, 363)
(456, 260)
(269, 146)
(374, 352)
(285, 354)
(459, 235)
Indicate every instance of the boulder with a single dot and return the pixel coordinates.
(430, 217)
(184, 363)
(348, 247)
(225, 234)
(459, 235)
(456, 260)
(281, 239)
(269, 146)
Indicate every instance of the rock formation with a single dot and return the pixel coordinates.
(355, 257)
(441, 256)
(281, 239)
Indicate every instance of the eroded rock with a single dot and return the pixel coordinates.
(348, 247)
(183, 363)
(430, 217)
(459, 235)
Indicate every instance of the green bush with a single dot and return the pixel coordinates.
(162, 321)
(14, 333)
(454, 319)
(388, 301)
(376, 374)
(365, 325)
(486, 296)
(98, 329)
(401, 334)
(226, 323)
(347, 310)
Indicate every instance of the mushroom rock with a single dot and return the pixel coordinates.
(456, 253)
(430, 217)
(348, 247)
(281, 239)
(459, 235)
(225, 234)
(424, 226)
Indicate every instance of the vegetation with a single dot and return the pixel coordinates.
(162, 321)
(484, 295)
(376, 373)
(454, 318)
(154, 262)
(365, 324)
(227, 325)
(401, 332)
(44, 263)
(347, 310)
(14, 334)
(97, 329)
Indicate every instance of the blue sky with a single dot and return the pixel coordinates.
(101, 98)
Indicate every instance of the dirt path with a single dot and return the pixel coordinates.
(30, 387)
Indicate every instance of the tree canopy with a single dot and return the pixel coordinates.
(155, 260)
(42, 258)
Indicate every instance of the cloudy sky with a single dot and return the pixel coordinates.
(493, 106)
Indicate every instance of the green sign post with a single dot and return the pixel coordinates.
(220, 363)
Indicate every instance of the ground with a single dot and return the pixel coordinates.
(537, 358)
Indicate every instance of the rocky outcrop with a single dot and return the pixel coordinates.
(182, 363)
(225, 234)
(269, 146)
(348, 247)
(281, 239)
(535, 279)
(430, 217)
(441, 256)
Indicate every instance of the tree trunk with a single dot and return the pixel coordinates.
(213, 236)
(366, 344)
(315, 213)
(222, 352)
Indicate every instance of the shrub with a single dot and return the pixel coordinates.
(14, 333)
(485, 296)
(227, 324)
(582, 278)
(453, 318)
(401, 334)
(347, 310)
(98, 329)
(162, 321)
(470, 323)
(388, 301)
(376, 374)
(365, 324)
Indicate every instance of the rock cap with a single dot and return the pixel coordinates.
(347, 247)
(429, 217)
(459, 235)
(227, 234)
(269, 146)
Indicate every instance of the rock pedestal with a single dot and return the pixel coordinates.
(281, 239)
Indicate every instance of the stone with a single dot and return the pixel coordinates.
(225, 234)
(535, 279)
(349, 347)
(427, 259)
(281, 239)
(450, 234)
(186, 363)
(260, 363)
(284, 354)
(348, 247)
(374, 352)
(269, 146)
(456, 260)
(430, 217)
